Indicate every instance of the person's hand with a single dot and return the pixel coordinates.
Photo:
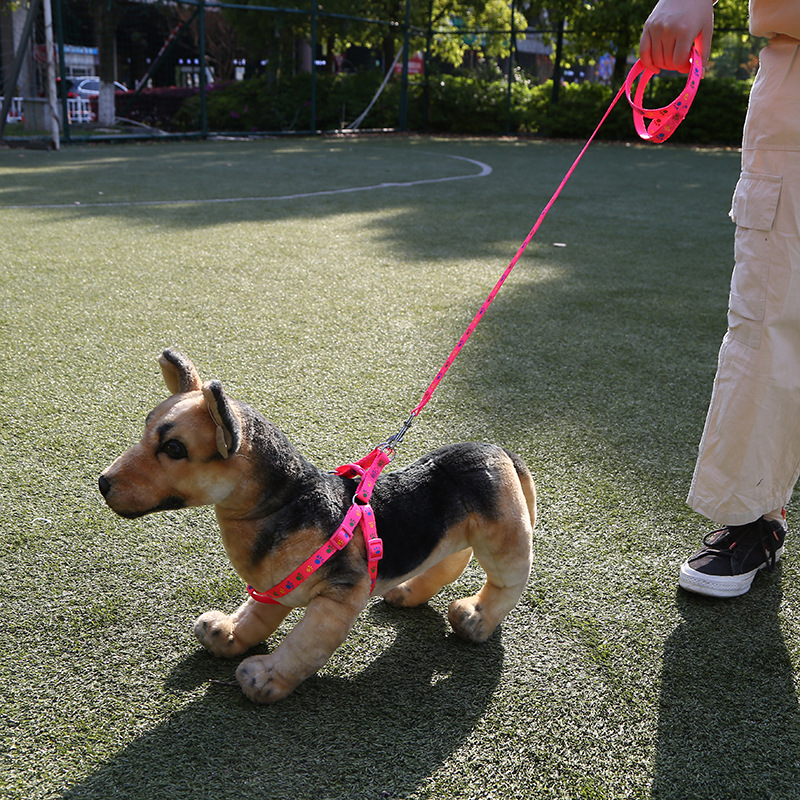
(671, 30)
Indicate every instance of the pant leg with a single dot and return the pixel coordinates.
(749, 457)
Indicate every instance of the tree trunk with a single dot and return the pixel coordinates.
(620, 66)
(106, 111)
(106, 18)
(13, 23)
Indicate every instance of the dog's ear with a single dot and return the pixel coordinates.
(179, 373)
(229, 428)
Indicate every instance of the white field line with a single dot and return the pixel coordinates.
(484, 170)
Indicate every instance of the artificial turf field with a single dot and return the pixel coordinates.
(324, 282)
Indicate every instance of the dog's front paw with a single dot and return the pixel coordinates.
(261, 681)
(400, 596)
(215, 630)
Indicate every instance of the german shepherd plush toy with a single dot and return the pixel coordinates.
(275, 509)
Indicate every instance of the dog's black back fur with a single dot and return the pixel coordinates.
(447, 485)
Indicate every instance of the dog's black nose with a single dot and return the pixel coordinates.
(104, 485)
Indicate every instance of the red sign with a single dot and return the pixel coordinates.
(416, 65)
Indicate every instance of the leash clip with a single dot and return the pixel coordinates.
(394, 441)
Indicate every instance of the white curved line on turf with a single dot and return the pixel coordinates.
(485, 170)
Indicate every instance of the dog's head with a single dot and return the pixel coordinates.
(190, 453)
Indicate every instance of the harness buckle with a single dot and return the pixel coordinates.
(340, 539)
(375, 549)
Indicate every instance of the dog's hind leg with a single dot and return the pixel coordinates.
(507, 571)
(502, 547)
(423, 587)
(306, 648)
(475, 618)
(228, 636)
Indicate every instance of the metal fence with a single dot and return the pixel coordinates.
(172, 63)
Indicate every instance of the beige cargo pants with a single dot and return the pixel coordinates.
(749, 457)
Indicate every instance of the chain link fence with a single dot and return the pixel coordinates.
(198, 68)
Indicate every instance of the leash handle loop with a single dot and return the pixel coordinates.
(663, 121)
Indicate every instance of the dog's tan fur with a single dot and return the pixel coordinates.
(201, 448)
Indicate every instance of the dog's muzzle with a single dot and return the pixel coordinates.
(171, 503)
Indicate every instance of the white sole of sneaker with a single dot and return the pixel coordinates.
(719, 585)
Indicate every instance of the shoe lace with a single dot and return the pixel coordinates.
(769, 543)
(725, 540)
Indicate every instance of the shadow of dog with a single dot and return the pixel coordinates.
(382, 732)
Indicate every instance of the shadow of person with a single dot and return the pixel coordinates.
(380, 733)
(729, 724)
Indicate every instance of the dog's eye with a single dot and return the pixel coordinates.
(174, 449)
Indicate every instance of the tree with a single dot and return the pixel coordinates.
(270, 38)
(731, 39)
(458, 26)
(596, 27)
(142, 30)
(480, 27)
(221, 46)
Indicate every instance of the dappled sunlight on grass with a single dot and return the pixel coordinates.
(248, 172)
(331, 314)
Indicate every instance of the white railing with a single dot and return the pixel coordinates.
(78, 110)
(15, 112)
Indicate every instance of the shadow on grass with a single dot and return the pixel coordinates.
(729, 723)
(382, 733)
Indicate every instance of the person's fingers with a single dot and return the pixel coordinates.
(646, 51)
(670, 32)
(704, 42)
(647, 54)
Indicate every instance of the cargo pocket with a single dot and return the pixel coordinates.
(755, 202)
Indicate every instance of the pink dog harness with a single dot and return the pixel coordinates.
(663, 123)
(368, 470)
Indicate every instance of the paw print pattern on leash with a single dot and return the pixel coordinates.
(663, 121)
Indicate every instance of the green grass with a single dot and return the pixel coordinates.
(331, 313)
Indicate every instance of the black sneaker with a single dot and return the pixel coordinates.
(732, 556)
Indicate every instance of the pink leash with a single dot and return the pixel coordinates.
(663, 123)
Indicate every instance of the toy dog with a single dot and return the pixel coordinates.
(274, 509)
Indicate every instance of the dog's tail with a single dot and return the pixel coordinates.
(526, 483)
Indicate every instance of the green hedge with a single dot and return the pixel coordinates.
(465, 105)
(259, 104)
